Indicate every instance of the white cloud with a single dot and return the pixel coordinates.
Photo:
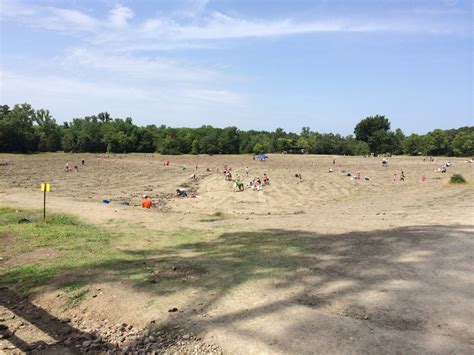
(145, 69)
(60, 93)
(9, 8)
(65, 19)
(116, 31)
(69, 97)
(119, 16)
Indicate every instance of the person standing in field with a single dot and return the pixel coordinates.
(247, 171)
(83, 162)
(394, 179)
(146, 202)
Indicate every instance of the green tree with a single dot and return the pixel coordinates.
(4, 109)
(463, 144)
(48, 132)
(369, 125)
(398, 141)
(374, 130)
(437, 142)
(414, 145)
(17, 133)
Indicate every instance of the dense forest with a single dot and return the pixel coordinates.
(26, 130)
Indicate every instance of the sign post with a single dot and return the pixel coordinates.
(45, 188)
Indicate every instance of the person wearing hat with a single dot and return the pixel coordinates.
(146, 202)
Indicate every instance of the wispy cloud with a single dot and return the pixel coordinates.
(119, 16)
(145, 69)
(138, 101)
(120, 28)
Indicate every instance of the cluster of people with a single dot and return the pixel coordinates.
(444, 167)
(356, 176)
(68, 168)
(255, 183)
(258, 183)
(395, 177)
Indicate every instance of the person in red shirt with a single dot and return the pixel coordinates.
(146, 202)
(266, 179)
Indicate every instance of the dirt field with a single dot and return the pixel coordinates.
(322, 264)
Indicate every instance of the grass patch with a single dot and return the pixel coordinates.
(86, 252)
(72, 286)
(76, 296)
(61, 232)
(156, 261)
(79, 245)
(216, 216)
(25, 278)
(151, 303)
(457, 179)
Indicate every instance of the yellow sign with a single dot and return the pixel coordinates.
(45, 186)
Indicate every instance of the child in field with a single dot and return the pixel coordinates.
(394, 178)
(402, 176)
(238, 184)
(146, 202)
(250, 183)
(266, 179)
(257, 185)
(181, 193)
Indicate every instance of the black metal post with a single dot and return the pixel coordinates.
(44, 202)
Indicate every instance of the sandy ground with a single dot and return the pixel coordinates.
(323, 202)
(389, 265)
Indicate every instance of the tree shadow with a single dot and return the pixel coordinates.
(58, 330)
(409, 279)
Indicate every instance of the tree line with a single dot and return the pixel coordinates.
(26, 130)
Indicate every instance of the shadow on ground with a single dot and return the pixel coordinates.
(415, 281)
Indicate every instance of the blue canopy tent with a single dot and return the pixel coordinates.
(263, 157)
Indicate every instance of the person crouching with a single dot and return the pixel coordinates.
(146, 202)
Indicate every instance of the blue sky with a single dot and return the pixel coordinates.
(254, 64)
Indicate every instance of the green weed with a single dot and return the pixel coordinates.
(457, 179)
